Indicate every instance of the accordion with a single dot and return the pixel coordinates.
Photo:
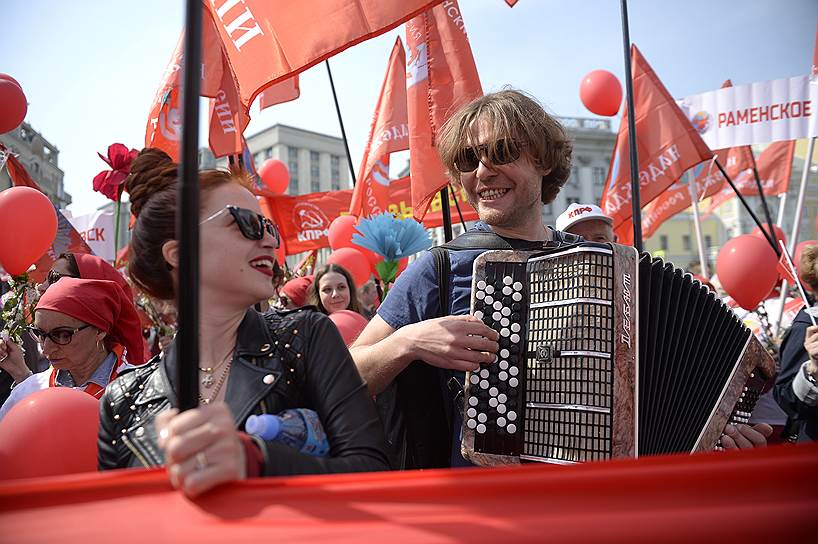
(603, 354)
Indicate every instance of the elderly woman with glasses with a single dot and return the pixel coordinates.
(249, 363)
(78, 322)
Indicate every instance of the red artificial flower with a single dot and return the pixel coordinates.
(119, 159)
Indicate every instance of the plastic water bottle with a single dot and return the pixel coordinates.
(298, 428)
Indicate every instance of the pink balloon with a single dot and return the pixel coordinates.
(275, 175)
(50, 433)
(746, 267)
(353, 261)
(349, 324)
(779, 234)
(341, 230)
(28, 225)
(601, 92)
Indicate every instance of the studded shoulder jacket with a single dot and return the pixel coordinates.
(282, 360)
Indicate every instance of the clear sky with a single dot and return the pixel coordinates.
(90, 67)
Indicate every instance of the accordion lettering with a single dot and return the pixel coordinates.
(604, 354)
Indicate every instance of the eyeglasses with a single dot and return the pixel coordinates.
(251, 224)
(61, 336)
(503, 151)
(53, 277)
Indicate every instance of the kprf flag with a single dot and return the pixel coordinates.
(389, 133)
(667, 146)
(757, 113)
(267, 40)
(228, 117)
(774, 171)
(441, 77)
(67, 239)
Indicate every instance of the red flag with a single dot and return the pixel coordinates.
(814, 70)
(67, 240)
(441, 77)
(228, 118)
(268, 40)
(783, 267)
(281, 92)
(774, 171)
(667, 144)
(389, 133)
(511, 3)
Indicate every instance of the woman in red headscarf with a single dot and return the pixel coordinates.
(78, 323)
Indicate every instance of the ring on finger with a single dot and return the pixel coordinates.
(201, 461)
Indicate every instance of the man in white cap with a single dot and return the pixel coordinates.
(587, 221)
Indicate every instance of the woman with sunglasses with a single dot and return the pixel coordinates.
(78, 322)
(67, 265)
(249, 363)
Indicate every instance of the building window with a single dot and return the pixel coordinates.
(335, 172)
(571, 200)
(548, 209)
(315, 172)
(708, 241)
(663, 242)
(686, 242)
(574, 179)
(599, 175)
(292, 166)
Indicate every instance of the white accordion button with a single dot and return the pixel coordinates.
(512, 428)
(481, 285)
(515, 327)
(479, 295)
(484, 373)
(497, 316)
(478, 314)
(488, 300)
(518, 286)
(501, 421)
(501, 408)
(493, 402)
(489, 289)
(501, 398)
(508, 280)
(504, 322)
(504, 332)
(481, 428)
(507, 290)
(512, 415)
(471, 424)
(493, 391)
(484, 384)
(471, 412)
(503, 365)
(513, 382)
(504, 353)
(516, 296)
(473, 401)
(506, 311)
(474, 379)
(503, 375)
(497, 305)
(482, 418)
(514, 338)
(513, 371)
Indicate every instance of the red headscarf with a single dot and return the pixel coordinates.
(296, 289)
(92, 267)
(102, 304)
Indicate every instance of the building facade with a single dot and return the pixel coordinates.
(40, 158)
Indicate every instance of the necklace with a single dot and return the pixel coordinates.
(207, 380)
(218, 387)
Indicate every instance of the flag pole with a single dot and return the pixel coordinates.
(187, 220)
(761, 194)
(636, 207)
(747, 207)
(446, 210)
(457, 205)
(796, 224)
(694, 199)
(341, 122)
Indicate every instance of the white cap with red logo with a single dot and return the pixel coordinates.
(577, 213)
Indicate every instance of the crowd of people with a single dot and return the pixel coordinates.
(510, 157)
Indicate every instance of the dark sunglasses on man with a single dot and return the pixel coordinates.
(61, 336)
(498, 153)
(251, 224)
(53, 276)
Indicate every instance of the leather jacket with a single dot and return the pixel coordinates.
(282, 360)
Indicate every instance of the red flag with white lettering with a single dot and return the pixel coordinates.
(389, 133)
(228, 118)
(774, 171)
(268, 40)
(441, 77)
(667, 143)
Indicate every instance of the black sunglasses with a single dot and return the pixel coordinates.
(503, 151)
(251, 224)
(53, 277)
(61, 336)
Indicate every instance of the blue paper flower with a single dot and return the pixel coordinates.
(393, 239)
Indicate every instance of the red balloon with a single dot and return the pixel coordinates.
(601, 92)
(779, 234)
(796, 259)
(341, 230)
(50, 433)
(13, 105)
(28, 225)
(9, 78)
(275, 175)
(746, 267)
(353, 261)
(349, 323)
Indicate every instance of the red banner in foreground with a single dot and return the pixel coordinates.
(304, 219)
(763, 495)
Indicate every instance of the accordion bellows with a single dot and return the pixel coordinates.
(604, 354)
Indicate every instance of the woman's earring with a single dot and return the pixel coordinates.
(99, 345)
